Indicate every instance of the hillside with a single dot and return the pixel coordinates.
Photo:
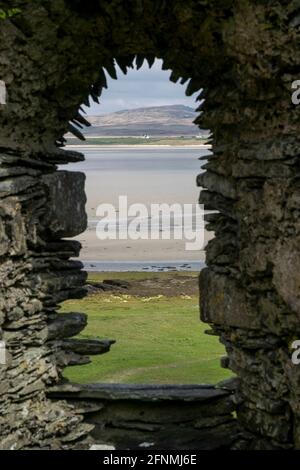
(172, 120)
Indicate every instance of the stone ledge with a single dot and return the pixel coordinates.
(144, 393)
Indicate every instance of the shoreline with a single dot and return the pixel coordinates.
(137, 146)
(143, 266)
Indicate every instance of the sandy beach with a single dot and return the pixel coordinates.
(94, 249)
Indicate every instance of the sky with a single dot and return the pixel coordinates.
(140, 88)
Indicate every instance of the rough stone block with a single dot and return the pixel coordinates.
(66, 215)
(286, 273)
(67, 325)
(224, 303)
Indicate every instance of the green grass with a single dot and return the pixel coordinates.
(159, 339)
(139, 275)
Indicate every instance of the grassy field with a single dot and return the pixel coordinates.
(136, 141)
(159, 339)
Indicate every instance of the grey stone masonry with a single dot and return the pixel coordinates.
(157, 416)
(242, 59)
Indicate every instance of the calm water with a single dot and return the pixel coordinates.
(144, 175)
(141, 159)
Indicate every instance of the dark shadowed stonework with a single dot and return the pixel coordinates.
(245, 56)
(157, 416)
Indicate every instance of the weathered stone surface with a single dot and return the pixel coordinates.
(172, 417)
(66, 216)
(211, 181)
(224, 303)
(144, 392)
(12, 228)
(87, 346)
(66, 325)
(286, 273)
(183, 437)
(16, 185)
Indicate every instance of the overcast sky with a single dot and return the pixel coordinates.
(140, 88)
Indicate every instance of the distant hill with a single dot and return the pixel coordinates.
(171, 120)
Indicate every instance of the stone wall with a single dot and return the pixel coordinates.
(157, 416)
(36, 274)
(250, 290)
(53, 56)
